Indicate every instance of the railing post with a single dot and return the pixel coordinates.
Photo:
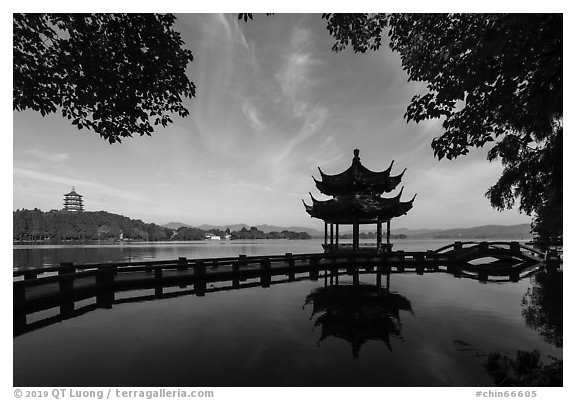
(105, 282)
(483, 277)
(355, 276)
(515, 276)
(235, 274)
(291, 267)
(158, 290)
(30, 274)
(66, 286)
(458, 272)
(242, 259)
(19, 295)
(158, 273)
(19, 319)
(200, 270)
(314, 265)
(105, 276)
(265, 272)
(182, 265)
(454, 270)
(200, 278)
(66, 283)
(200, 288)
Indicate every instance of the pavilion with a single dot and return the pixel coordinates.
(356, 201)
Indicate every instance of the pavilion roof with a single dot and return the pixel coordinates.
(358, 179)
(360, 209)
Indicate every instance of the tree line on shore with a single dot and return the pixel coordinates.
(188, 233)
(55, 225)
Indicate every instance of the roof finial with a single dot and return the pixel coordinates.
(356, 153)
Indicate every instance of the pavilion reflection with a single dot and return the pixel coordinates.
(358, 313)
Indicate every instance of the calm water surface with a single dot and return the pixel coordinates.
(36, 256)
(430, 330)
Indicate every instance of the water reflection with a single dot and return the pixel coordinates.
(526, 369)
(259, 336)
(542, 306)
(358, 313)
(370, 307)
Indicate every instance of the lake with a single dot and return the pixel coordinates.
(36, 256)
(425, 330)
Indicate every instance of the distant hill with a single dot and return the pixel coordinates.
(232, 227)
(521, 231)
(176, 225)
(412, 232)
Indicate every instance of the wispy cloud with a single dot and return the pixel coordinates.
(252, 114)
(297, 82)
(234, 32)
(47, 156)
(25, 174)
(294, 75)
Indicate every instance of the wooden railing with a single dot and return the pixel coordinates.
(242, 272)
(34, 287)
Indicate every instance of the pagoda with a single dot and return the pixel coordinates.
(356, 200)
(73, 201)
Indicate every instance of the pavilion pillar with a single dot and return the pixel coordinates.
(388, 235)
(378, 236)
(325, 232)
(355, 236)
(337, 234)
(331, 236)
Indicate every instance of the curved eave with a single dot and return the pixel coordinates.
(358, 209)
(394, 181)
(358, 179)
(368, 174)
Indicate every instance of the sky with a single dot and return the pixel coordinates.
(273, 103)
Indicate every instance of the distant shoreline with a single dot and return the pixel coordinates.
(143, 242)
(235, 241)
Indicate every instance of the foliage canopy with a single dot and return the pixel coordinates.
(116, 74)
